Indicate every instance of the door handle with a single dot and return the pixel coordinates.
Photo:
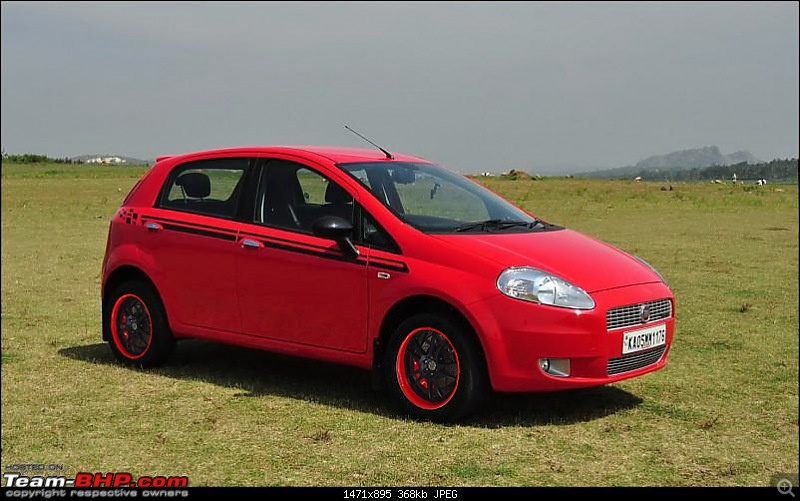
(251, 243)
(153, 226)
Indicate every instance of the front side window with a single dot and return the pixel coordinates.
(435, 200)
(209, 187)
(292, 196)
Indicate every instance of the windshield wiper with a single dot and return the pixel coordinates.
(495, 224)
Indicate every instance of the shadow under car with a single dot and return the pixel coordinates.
(259, 373)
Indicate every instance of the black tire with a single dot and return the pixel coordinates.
(454, 400)
(127, 335)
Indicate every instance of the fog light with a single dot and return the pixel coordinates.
(558, 367)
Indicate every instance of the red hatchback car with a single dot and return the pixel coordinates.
(390, 263)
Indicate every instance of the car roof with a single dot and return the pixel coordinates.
(336, 154)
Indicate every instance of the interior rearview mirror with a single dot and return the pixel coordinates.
(404, 175)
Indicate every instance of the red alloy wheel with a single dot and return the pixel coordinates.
(427, 367)
(131, 326)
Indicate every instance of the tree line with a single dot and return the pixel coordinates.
(775, 170)
(32, 158)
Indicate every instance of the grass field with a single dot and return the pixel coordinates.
(723, 412)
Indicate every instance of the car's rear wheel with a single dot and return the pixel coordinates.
(137, 328)
(435, 368)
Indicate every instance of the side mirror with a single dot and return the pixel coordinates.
(336, 228)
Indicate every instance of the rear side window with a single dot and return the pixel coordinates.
(209, 187)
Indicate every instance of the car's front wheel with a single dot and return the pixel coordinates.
(434, 368)
(137, 328)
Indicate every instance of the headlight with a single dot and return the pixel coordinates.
(654, 270)
(530, 284)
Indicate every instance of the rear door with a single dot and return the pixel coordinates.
(292, 285)
(192, 232)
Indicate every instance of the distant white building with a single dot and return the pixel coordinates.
(106, 160)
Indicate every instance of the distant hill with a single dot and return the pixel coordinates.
(697, 157)
(128, 160)
(678, 160)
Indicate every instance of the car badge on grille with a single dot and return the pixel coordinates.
(644, 313)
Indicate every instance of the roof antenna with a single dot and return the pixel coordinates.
(388, 155)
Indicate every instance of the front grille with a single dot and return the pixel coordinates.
(627, 316)
(636, 361)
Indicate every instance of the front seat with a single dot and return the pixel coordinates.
(278, 202)
(338, 202)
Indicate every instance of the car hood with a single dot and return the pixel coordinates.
(583, 261)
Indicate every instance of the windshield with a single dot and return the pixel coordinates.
(436, 200)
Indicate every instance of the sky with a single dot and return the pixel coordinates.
(547, 88)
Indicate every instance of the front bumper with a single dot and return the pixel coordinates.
(516, 334)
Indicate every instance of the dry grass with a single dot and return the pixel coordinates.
(724, 411)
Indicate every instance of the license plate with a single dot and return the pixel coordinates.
(643, 339)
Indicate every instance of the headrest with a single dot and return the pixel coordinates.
(335, 194)
(195, 184)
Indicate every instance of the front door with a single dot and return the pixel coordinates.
(293, 286)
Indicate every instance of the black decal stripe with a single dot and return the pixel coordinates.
(187, 223)
(389, 264)
(273, 242)
(198, 231)
(283, 240)
(383, 260)
(309, 252)
(402, 268)
(313, 249)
